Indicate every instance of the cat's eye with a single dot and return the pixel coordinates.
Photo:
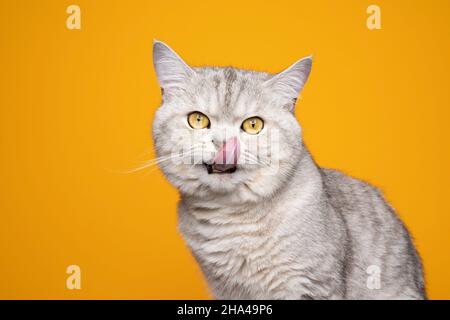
(253, 125)
(198, 120)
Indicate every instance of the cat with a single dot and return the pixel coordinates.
(267, 222)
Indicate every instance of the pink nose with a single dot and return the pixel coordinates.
(229, 153)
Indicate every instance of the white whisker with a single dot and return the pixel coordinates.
(152, 162)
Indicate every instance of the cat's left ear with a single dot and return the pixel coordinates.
(170, 69)
(289, 83)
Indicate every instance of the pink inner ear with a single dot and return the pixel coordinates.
(229, 153)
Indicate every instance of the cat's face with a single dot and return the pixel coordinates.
(225, 130)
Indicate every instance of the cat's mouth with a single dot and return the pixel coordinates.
(226, 158)
(220, 168)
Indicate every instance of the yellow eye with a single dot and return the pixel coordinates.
(198, 120)
(253, 125)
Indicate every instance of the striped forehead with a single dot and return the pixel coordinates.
(229, 92)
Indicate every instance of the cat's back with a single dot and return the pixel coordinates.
(360, 204)
(378, 240)
(347, 194)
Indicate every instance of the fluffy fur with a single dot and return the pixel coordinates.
(280, 227)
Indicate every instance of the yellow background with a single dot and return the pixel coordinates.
(76, 109)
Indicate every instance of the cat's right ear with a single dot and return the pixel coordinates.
(170, 69)
(289, 83)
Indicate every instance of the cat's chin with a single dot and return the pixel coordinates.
(195, 179)
(220, 179)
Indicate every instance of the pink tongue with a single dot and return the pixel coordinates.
(229, 153)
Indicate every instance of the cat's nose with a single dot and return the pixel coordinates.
(218, 142)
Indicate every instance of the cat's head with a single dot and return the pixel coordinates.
(226, 130)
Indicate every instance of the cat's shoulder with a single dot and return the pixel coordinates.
(338, 182)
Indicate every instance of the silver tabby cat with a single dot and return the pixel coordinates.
(262, 219)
